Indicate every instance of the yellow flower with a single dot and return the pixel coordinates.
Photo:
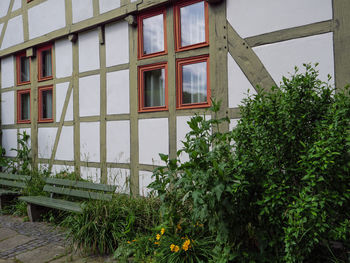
(172, 246)
(134, 240)
(179, 227)
(186, 245)
(176, 249)
(162, 231)
(129, 242)
(158, 237)
(156, 243)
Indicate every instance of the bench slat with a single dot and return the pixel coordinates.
(78, 193)
(13, 183)
(53, 203)
(8, 192)
(15, 177)
(80, 184)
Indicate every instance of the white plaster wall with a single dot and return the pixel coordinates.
(4, 7)
(56, 169)
(43, 167)
(8, 108)
(118, 92)
(69, 112)
(118, 141)
(9, 141)
(14, 32)
(120, 178)
(46, 141)
(254, 17)
(233, 124)
(61, 93)
(28, 132)
(90, 141)
(90, 173)
(46, 17)
(89, 54)
(153, 139)
(107, 5)
(82, 9)
(117, 43)
(89, 96)
(7, 72)
(145, 178)
(238, 85)
(182, 128)
(64, 60)
(65, 147)
(17, 5)
(280, 58)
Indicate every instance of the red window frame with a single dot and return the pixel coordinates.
(18, 69)
(140, 34)
(141, 70)
(40, 111)
(39, 52)
(19, 105)
(177, 23)
(188, 61)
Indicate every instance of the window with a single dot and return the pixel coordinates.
(45, 62)
(191, 25)
(23, 106)
(153, 87)
(193, 82)
(23, 69)
(45, 104)
(152, 34)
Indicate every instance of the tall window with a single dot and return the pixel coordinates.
(153, 90)
(23, 69)
(23, 106)
(191, 25)
(152, 34)
(45, 104)
(45, 62)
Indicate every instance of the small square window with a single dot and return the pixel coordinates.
(23, 69)
(45, 104)
(193, 89)
(152, 34)
(191, 25)
(23, 106)
(45, 62)
(153, 87)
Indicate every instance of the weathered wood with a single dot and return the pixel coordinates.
(12, 183)
(34, 212)
(80, 184)
(77, 193)
(15, 177)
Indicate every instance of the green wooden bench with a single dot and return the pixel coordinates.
(11, 186)
(58, 188)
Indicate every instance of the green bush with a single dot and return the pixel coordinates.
(276, 188)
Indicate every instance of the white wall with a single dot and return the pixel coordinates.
(90, 141)
(120, 178)
(46, 17)
(107, 5)
(29, 132)
(182, 128)
(153, 139)
(280, 58)
(17, 5)
(145, 178)
(89, 96)
(117, 43)
(61, 93)
(118, 141)
(90, 173)
(118, 92)
(254, 17)
(8, 108)
(64, 60)
(65, 147)
(61, 168)
(82, 9)
(238, 85)
(4, 7)
(46, 141)
(89, 52)
(14, 32)
(9, 141)
(7, 72)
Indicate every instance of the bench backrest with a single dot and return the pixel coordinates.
(79, 189)
(14, 180)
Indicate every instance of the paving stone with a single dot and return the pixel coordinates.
(42, 254)
(13, 242)
(7, 261)
(6, 233)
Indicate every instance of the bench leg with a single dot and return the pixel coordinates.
(35, 212)
(5, 200)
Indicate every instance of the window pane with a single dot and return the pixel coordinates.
(46, 63)
(24, 69)
(46, 104)
(194, 83)
(154, 88)
(25, 106)
(192, 24)
(153, 34)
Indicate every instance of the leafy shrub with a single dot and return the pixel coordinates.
(277, 186)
